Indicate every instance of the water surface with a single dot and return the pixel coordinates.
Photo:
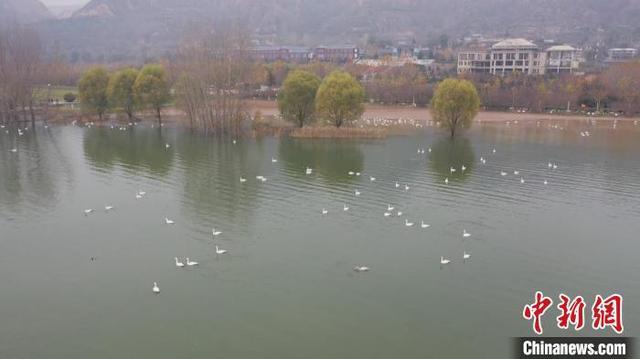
(287, 289)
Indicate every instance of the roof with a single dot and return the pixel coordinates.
(512, 43)
(561, 48)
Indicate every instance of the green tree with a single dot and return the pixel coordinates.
(152, 88)
(455, 104)
(297, 98)
(339, 99)
(93, 90)
(120, 91)
(69, 97)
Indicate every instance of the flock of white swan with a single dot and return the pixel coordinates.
(390, 210)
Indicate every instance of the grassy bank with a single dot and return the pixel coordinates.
(333, 132)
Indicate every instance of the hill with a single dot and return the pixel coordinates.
(23, 11)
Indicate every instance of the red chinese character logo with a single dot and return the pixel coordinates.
(572, 312)
(608, 312)
(535, 311)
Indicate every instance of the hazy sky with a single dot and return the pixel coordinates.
(64, 2)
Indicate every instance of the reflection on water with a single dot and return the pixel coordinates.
(286, 287)
(333, 160)
(448, 154)
(134, 149)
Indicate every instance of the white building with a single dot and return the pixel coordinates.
(518, 55)
(621, 54)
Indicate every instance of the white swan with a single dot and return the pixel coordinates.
(167, 145)
(345, 207)
(494, 150)
(406, 188)
(14, 150)
(273, 160)
(465, 234)
(357, 193)
(351, 173)
(360, 269)
(521, 179)
(443, 260)
(87, 211)
(387, 214)
(424, 225)
(191, 263)
(155, 288)
(446, 180)
(466, 255)
(429, 150)
(399, 214)
(407, 223)
(503, 173)
(357, 173)
(463, 168)
(142, 193)
(397, 185)
(138, 196)
(545, 182)
(516, 172)
(215, 233)
(372, 179)
(452, 170)
(243, 180)
(324, 211)
(309, 171)
(220, 251)
(178, 263)
(390, 208)
(108, 208)
(168, 221)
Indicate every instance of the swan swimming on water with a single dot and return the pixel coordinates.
(168, 221)
(191, 263)
(215, 233)
(407, 223)
(220, 251)
(108, 208)
(466, 255)
(446, 180)
(243, 180)
(465, 234)
(387, 214)
(424, 225)
(88, 211)
(390, 208)
(443, 260)
(345, 207)
(324, 211)
(357, 193)
(155, 288)
(309, 171)
(178, 263)
(360, 269)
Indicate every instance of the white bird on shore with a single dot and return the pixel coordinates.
(555, 166)
(452, 170)
(443, 260)
(243, 180)
(361, 269)
(167, 145)
(215, 233)
(351, 173)
(168, 221)
(407, 223)
(309, 171)
(465, 234)
(406, 188)
(466, 255)
(88, 211)
(178, 263)
(155, 288)
(549, 164)
(345, 207)
(191, 263)
(463, 168)
(324, 211)
(108, 208)
(358, 174)
(220, 251)
(424, 225)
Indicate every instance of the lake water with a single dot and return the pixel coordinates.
(287, 288)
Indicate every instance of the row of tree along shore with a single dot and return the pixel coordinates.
(210, 78)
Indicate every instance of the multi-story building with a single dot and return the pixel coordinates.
(624, 54)
(562, 59)
(518, 56)
(345, 53)
(281, 53)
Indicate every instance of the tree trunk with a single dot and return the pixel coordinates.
(159, 116)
